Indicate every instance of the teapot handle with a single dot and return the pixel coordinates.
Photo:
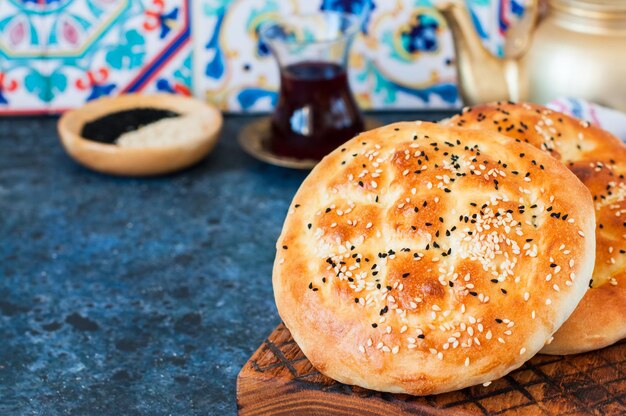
(519, 36)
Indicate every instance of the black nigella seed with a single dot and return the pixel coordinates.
(109, 128)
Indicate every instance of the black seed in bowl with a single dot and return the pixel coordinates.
(109, 128)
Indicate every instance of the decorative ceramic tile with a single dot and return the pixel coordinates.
(79, 50)
(174, 77)
(58, 54)
(403, 57)
(492, 18)
(22, 52)
(117, 46)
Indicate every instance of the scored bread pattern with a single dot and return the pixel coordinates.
(430, 291)
(584, 384)
(597, 158)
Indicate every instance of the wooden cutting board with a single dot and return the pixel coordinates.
(279, 380)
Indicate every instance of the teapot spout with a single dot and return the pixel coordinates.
(481, 76)
(518, 37)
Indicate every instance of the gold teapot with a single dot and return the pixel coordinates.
(575, 48)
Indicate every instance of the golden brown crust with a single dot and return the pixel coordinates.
(599, 160)
(415, 260)
(586, 329)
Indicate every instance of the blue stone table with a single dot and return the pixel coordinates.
(133, 296)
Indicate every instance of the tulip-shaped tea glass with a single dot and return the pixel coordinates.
(315, 111)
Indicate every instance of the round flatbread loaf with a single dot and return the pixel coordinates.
(599, 160)
(422, 259)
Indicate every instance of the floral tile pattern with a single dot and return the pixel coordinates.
(22, 52)
(58, 54)
(403, 57)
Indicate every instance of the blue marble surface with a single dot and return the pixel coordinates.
(133, 296)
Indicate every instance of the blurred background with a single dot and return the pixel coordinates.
(58, 54)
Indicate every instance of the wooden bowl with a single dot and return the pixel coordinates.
(144, 161)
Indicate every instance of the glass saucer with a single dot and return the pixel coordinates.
(254, 140)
